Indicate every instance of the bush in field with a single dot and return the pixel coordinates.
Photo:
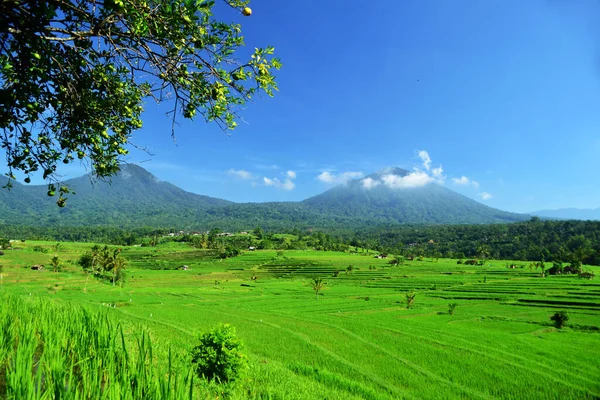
(218, 357)
(40, 249)
(559, 319)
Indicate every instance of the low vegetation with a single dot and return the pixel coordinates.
(385, 330)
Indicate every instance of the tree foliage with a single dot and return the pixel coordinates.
(104, 263)
(218, 356)
(409, 298)
(317, 284)
(559, 319)
(74, 75)
(55, 262)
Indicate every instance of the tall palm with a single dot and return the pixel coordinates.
(55, 262)
(113, 262)
(317, 284)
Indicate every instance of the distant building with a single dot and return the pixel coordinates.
(251, 248)
(184, 268)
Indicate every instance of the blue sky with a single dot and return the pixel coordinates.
(503, 93)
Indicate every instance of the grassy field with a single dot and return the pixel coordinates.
(357, 339)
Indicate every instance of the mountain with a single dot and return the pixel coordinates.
(135, 198)
(429, 203)
(586, 214)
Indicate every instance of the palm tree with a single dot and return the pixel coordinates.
(410, 299)
(111, 262)
(483, 251)
(317, 284)
(55, 262)
(114, 262)
(96, 258)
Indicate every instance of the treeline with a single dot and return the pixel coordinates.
(92, 234)
(230, 246)
(534, 240)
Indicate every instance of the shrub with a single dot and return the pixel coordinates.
(410, 299)
(560, 319)
(40, 249)
(451, 308)
(218, 356)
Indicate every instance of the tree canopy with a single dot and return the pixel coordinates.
(74, 75)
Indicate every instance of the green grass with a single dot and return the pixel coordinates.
(357, 340)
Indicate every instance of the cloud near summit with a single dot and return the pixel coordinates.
(343, 177)
(411, 180)
(417, 178)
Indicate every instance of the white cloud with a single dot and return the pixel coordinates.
(485, 196)
(240, 173)
(438, 173)
(412, 180)
(287, 184)
(463, 180)
(369, 183)
(424, 156)
(328, 177)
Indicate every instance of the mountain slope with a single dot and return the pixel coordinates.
(429, 203)
(133, 197)
(136, 198)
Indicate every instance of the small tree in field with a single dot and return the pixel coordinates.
(451, 308)
(410, 299)
(4, 244)
(55, 262)
(559, 319)
(317, 284)
(218, 356)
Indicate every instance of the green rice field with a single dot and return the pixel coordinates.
(355, 340)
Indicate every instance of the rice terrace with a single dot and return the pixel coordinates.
(470, 331)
